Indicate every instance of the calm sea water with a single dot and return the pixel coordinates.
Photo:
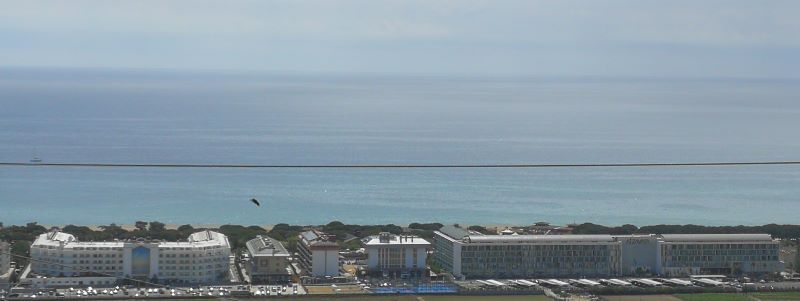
(172, 117)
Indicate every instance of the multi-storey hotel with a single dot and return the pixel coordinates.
(202, 258)
(472, 255)
(388, 253)
(267, 261)
(318, 253)
(506, 256)
(728, 254)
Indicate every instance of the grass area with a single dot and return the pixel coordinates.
(713, 297)
(782, 296)
(432, 298)
(484, 298)
(642, 298)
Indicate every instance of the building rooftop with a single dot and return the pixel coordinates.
(58, 236)
(459, 234)
(392, 239)
(197, 239)
(266, 246)
(319, 239)
(714, 237)
(537, 238)
(454, 232)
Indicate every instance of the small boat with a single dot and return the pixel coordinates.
(35, 158)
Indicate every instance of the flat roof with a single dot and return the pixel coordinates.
(461, 235)
(266, 246)
(715, 237)
(409, 240)
(204, 238)
(538, 238)
(454, 232)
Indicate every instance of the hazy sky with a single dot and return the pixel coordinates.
(462, 37)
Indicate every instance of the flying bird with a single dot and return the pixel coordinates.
(255, 202)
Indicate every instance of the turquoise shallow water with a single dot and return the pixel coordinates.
(139, 117)
(640, 196)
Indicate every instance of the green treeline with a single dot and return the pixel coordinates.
(346, 234)
(777, 231)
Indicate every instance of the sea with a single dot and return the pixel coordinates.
(138, 116)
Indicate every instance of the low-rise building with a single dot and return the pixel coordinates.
(472, 255)
(202, 259)
(318, 253)
(268, 261)
(391, 254)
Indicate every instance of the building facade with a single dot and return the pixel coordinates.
(318, 253)
(725, 254)
(268, 261)
(5, 265)
(5, 257)
(202, 259)
(518, 256)
(396, 254)
(472, 255)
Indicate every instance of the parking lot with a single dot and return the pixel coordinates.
(123, 292)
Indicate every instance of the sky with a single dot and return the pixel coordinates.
(710, 38)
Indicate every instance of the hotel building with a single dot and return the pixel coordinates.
(473, 255)
(726, 254)
(202, 259)
(318, 253)
(388, 253)
(268, 261)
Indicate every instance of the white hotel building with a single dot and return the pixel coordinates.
(202, 259)
(319, 253)
(388, 253)
(473, 255)
(727, 254)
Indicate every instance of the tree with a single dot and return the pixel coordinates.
(81, 232)
(20, 248)
(185, 230)
(480, 229)
(427, 226)
(628, 229)
(142, 226)
(113, 231)
(284, 231)
(157, 227)
(239, 235)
